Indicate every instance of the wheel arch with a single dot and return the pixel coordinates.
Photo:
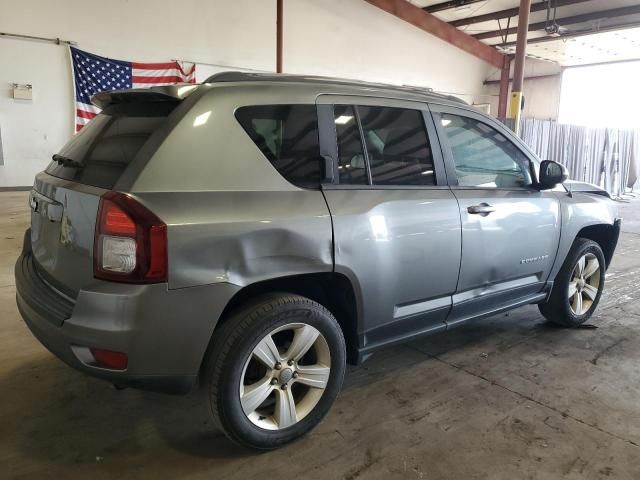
(605, 235)
(331, 289)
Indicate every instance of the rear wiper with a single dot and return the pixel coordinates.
(66, 161)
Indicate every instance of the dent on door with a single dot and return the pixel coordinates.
(509, 244)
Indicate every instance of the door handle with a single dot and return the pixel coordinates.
(483, 209)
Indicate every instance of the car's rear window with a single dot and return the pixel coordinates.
(288, 136)
(99, 154)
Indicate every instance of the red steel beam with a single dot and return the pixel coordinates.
(433, 25)
(279, 28)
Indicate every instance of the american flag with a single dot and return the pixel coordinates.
(93, 74)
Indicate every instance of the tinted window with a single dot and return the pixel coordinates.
(288, 136)
(483, 156)
(352, 168)
(397, 146)
(104, 148)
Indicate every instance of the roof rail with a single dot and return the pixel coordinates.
(236, 76)
(228, 76)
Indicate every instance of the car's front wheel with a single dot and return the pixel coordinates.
(578, 286)
(274, 369)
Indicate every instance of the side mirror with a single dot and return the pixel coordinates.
(551, 174)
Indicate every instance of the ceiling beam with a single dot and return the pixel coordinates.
(433, 25)
(581, 33)
(587, 17)
(533, 77)
(439, 7)
(510, 12)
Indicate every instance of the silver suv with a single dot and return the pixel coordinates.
(254, 233)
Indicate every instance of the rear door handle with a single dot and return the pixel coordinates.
(483, 209)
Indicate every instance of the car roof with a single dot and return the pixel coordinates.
(407, 91)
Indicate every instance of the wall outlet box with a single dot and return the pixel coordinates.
(22, 92)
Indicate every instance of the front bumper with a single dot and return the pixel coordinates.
(165, 333)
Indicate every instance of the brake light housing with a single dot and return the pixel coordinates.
(130, 242)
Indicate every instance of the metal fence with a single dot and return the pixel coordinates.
(604, 156)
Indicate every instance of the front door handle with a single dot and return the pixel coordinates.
(483, 209)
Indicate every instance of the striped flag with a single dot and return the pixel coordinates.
(93, 74)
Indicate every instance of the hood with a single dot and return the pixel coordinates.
(584, 187)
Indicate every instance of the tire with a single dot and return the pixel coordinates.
(241, 367)
(564, 308)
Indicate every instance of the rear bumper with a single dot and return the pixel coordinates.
(165, 333)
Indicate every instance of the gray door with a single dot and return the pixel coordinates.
(396, 223)
(510, 230)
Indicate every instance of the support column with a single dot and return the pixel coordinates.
(279, 28)
(518, 70)
(503, 98)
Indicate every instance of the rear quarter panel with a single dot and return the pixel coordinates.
(231, 216)
(243, 237)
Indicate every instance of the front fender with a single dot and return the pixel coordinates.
(578, 211)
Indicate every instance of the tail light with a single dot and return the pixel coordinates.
(130, 243)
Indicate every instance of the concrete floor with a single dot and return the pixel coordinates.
(505, 398)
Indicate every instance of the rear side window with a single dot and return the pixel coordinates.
(99, 154)
(288, 136)
(397, 146)
(352, 168)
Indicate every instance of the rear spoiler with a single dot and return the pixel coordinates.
(168, 93)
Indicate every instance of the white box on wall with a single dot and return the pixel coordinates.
(485, 107)
(22, 92)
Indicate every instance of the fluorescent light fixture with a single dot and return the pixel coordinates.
(343, 119)
(427, 172)
(202, 119)
(445, 122)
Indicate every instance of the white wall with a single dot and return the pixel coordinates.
(348, 38)
(353, 39)
(542, 95)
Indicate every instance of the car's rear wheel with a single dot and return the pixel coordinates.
(578, 286)
(273, 370)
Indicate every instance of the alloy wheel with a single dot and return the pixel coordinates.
(584, 284)
(285, 376)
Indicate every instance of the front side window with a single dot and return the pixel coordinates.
(483, 156)
(288, 136)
